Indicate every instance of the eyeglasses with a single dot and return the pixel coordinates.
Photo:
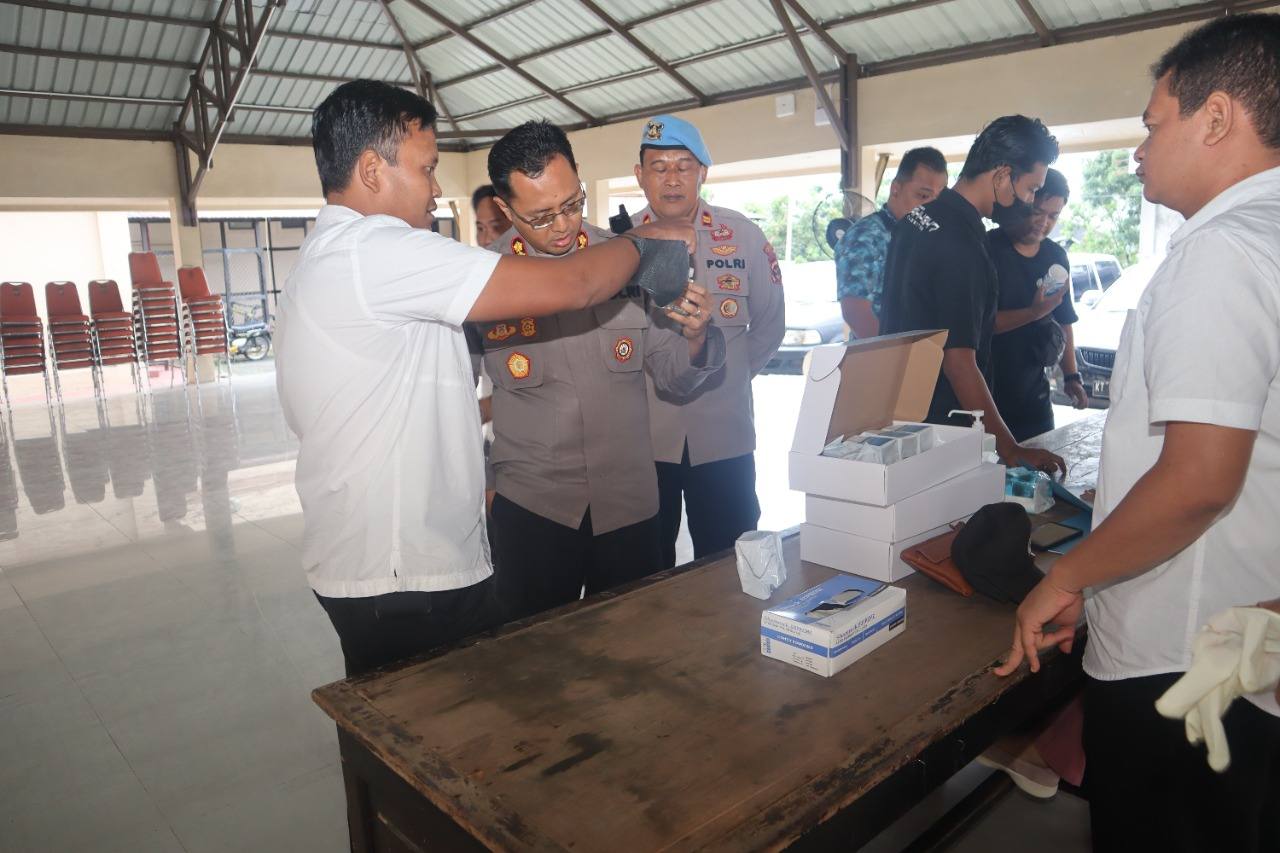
(546, 220)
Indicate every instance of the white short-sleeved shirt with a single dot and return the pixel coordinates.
(1202, 346)
(375, 379)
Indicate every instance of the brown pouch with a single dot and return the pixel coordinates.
(933, 558)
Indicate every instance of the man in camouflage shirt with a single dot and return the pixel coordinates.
(861, 252)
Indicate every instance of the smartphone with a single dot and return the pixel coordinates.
(1048, 535)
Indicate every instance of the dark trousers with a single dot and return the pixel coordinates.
(381, 629)
(541, 564)
(1149, 789)
(719, 501)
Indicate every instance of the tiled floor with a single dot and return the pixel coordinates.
(158, 642)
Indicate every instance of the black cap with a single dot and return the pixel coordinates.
(992, 552)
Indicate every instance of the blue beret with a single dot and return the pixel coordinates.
(666, 131)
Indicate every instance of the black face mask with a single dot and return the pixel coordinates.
(1012, 216)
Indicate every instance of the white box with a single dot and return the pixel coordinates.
(958, 497)
(859, 555)
(868, 385)
(857, 616)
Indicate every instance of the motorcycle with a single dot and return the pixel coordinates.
(251, 341)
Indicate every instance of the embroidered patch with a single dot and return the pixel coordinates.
(528, 327)
(729, 282)
(721, 233)
(729, 309)
(653, 130)
(517, 246)
(775, 272)
(706, 219)
(724, 251)
(582, 240)
(624, 349)
(500, 332)
(518, 363)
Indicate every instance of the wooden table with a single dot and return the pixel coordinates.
(648, 719)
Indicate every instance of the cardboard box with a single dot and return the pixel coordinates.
(828, 627)
(860, 555)
(867, 385)
(958, 497)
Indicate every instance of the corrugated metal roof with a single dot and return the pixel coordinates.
(1069, 13)
(86, 55)
(630, 95)
(112, 116)
(605, 58)
(705, 27)
(947, 25)
(356, 19)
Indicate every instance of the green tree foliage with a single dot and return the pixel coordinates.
(1104, 215)
(771, 215)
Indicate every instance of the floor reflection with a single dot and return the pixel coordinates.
(177, 448)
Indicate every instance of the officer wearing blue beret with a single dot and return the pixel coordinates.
(704, 444)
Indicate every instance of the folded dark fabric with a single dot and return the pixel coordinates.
(932, 557)
(993, 554)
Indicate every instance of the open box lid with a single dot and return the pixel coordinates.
(867, 385)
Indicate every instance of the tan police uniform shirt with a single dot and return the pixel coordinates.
(738, 268)
(570, 410)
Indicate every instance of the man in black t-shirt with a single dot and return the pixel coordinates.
(1033, 322)
(939, 276)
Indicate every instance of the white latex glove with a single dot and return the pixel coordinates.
(1238, 652)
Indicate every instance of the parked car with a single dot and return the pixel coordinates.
(1092, 273)
(813, 314)
(1097, 333)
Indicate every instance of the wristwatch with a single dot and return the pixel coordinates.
(1072, 377)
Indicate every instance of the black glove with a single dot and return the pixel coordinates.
(663, 271)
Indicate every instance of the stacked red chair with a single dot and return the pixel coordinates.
(155, 310)
(22, 348)
(70, 332)
(204, 319)
(114, 340)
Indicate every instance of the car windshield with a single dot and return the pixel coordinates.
(1127, 290)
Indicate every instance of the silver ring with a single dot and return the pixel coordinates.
(697, 313)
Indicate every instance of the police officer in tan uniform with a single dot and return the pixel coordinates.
(704, 443)
(577, 494)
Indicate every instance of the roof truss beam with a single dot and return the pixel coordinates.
(417, 68)
(1037, 23)
(575, 42)
(142, 102)
(190, 23)
(497, 57)
(177, 64)
(626, 35)
(811, 74)
(228, 56)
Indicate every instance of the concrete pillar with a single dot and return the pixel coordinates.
(188, 249)
(598, 203)
(466, 222)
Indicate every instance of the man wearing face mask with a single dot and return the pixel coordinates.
(939, 275)
(1033, 323)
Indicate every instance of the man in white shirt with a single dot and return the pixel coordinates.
(1187, 521)
(375, 378)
